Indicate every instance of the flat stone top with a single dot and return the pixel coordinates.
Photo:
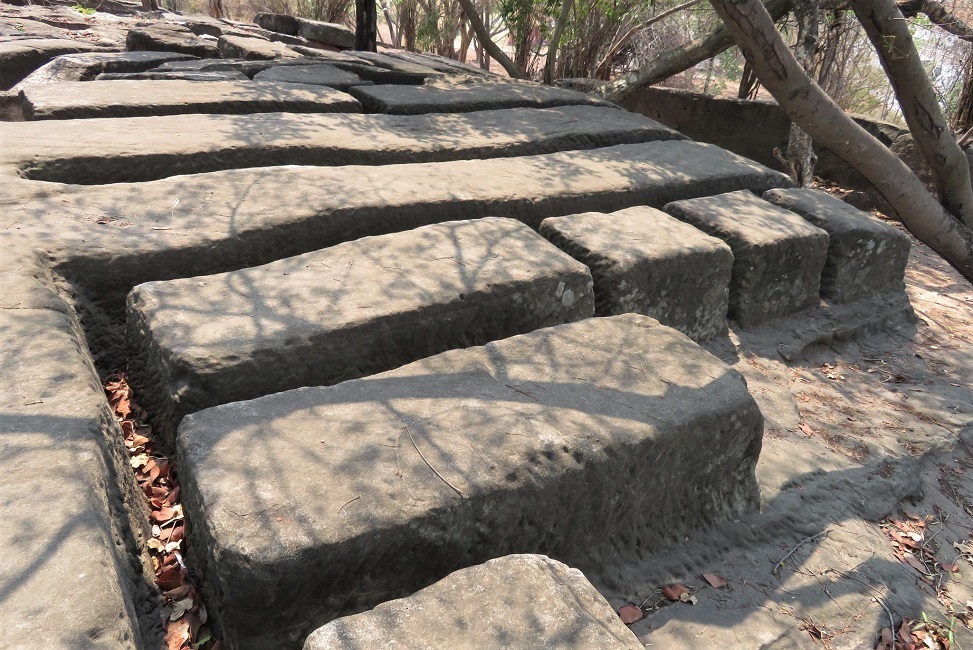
(139, 57)
(745, 217)
(147, 96)
(343, 287)
(516, 601)
(629, 236)
(320, 74)
(323, 465)
(481, 95)
(829, 213)
(32, 147)
(48, 45)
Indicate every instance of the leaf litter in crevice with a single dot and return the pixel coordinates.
(183, 614)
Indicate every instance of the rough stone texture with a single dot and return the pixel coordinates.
(249, 68)
(643, 261)
(85, 67)
(777, 256)
(19, 58)
(439, 63)
(72, 100)
(161, 75)
(344, 312)
(250, 47)
(394, 63)
(281, 23)
(514, 601)
(603, 438)
(318, 75)
(411, 100)
(207, 223)
(865, 256)
(140, 149)
(170, 37)
(65, 579)
(327, 33)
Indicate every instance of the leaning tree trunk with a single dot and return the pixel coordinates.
(800, 158)
(807, 105)
(366, 25)
(562, 20)
(888, 31)
(483, 35)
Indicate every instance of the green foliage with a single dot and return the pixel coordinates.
(83, 10)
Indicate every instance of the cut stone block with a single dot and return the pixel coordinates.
(249, 68)
(65, 579)
(251, 47)
(317, 75)
(140, 149)
(73, 100)
(223, 75)
(19, 58)
(517, 601)
(170, 37)
(340, 313)
(84, 67)
(207, 223)
(327, 33)
(412, 100)
(588, 441)
(280, 23)
(777, 255)
(865, 257)
(643, 261)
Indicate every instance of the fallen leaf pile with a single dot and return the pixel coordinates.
(183, 614)
(674, 593)
(908, 538)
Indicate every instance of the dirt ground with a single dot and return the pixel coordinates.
(867, 486)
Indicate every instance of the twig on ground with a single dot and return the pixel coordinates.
(429, 465)
(876, 598)
(780, 564)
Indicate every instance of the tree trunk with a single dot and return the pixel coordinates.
(150, 5)
(963, 120)
(672, 62)
(888, 31)
(749, 84)
(562, 20)
(800, 148)
(807, 105)
(483, 35)
(366, 25)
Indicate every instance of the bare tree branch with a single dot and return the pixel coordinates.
(937, 13)
(483, 35)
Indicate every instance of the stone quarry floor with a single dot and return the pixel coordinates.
(864, 438)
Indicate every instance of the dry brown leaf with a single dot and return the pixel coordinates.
(715, 581)
(630, 614)
(674, 591)
(177, 634)
(808, 431)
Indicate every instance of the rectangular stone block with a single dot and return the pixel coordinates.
(645, 262)
(590, 441)
(72, 100)
(343, 312)
(777, 255)
(445, 97)
(517, 601)
(67, 579)
(865, 256)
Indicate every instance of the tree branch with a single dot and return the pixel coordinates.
(937, 13)
(562, 20)
(483, 36)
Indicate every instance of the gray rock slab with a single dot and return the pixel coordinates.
(643, 261)
(65, 580)
(777, 256)
(19, 58)
(865, 256)
(170, 37)
(318, 502)
(74, 100)
(169, 75)
(327, 33)
(206, 223)
(515, 601)
(439, 63)
(344, 312)
(317, 75)
(85, 67)
(249, 68)
(251, 47)
(281, 23)
(411, 100)
(141, 149)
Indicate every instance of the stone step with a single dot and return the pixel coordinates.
(207, 223)
(67, 579)
(865, 256)
(85, 67)
(19, 58)
(140, 149)
(344, 312)
(71, 100)
(445, 97)
(517, 601)
(645, 262)
(320, 74)
(777, 256)
(606, 438)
